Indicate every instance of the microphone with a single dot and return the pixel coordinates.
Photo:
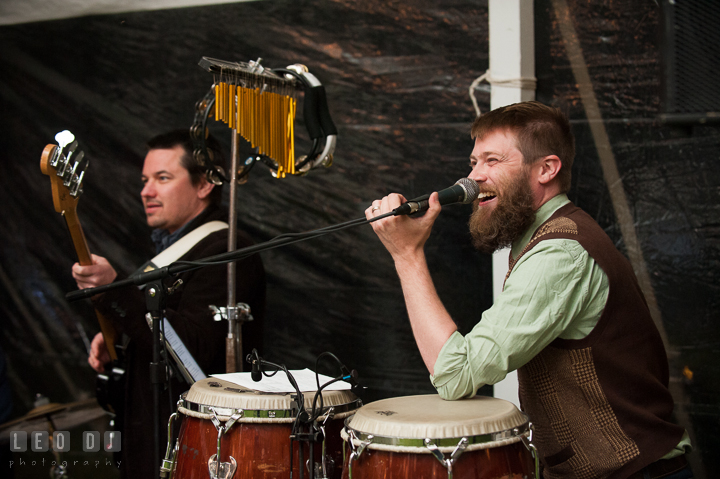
(352, 378)
(254, 360)
(463, 191)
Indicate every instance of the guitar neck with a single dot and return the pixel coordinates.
(78, 237)
(85, 259)
(65, 165)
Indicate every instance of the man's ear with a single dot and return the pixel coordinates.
(205, 188)
(548, 168)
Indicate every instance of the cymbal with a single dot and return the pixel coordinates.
(53, 417)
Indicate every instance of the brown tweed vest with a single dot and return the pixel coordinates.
(600, 405)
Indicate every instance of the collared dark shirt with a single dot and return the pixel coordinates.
(164, 239)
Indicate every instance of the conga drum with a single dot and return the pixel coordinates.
(428, 437)
(255, 435)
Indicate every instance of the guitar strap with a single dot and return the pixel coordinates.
(181, 246)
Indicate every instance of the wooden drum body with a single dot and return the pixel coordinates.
(427, 437)
(259, 439)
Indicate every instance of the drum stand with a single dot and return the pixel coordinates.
(304, 429)
(305, 432)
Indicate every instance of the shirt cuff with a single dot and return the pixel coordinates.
(451, 377)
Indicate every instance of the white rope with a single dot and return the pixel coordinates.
(473, 86)
(522, 83)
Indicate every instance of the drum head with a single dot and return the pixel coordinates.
(409, 421)
(216, 396)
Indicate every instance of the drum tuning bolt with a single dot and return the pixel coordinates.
(168, 465)
(327, 461)
(216, 468)
(448, 463)
(527, 441)
(357, 451)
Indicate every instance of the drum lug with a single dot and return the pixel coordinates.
(168, 465)
(448, 463)
(356, 453)
(218, 469)
(527, 441)
(221, 470)
(324, 469)
(329, 415)
(323, 455)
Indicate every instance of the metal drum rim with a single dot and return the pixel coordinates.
(513, 433)
(262, 413)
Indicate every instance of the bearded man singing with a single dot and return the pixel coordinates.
(571, 318)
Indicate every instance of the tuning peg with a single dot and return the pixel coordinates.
(64, 138)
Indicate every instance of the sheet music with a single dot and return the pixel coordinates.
(185, 362)
(279, 383)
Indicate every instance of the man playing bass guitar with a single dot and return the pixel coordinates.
(177, 199)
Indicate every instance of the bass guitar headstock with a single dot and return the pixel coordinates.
(65, 165)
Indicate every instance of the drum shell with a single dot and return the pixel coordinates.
(259, 440)
(510, 461)
(261, 450)
(393, 435)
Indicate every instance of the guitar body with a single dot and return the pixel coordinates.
(110, 390)
(65, 166)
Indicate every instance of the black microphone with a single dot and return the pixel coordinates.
(463, 191)
(254, 360)
(352, 378)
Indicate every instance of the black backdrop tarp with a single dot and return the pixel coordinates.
(396, 76)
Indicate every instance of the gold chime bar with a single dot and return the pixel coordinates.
(265, 118)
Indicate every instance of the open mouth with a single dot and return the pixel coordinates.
(486, 196)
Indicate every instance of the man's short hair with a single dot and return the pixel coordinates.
(540, 131)
(181, 137)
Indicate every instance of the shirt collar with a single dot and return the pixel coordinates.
(541, 216)
(163, 239)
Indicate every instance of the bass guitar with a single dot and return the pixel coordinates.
(65, 164)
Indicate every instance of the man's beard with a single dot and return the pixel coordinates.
(508, 221)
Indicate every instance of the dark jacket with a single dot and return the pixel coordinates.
(188, 312)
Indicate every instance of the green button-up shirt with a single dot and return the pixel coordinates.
(556, 290)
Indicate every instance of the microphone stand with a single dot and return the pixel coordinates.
(184, 266)
(464, 191)
(408, 208)
(155, 295)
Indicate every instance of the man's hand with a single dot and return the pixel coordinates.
(402, 236)
(97, 274)
(99, 355)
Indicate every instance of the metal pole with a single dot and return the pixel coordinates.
(233, 342)
(512, 77)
